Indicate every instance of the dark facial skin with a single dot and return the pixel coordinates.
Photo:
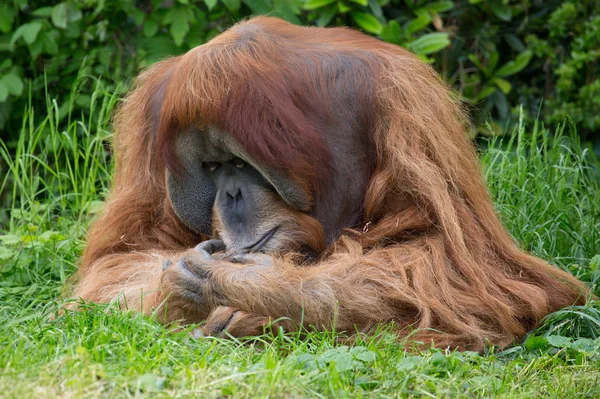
(248, 214)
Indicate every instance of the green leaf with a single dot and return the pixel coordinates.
(3, 93)
(340, 359)
(314, 4)
(150, 27)
(232, 5)
(63, 13)
(499, 100)
(595, 263)
(429, 43)
(534, 342)
(171, 16)
(95, 207)
(493, 60)
(27, 31)
(514, 42)
(7, 17)
(585, 345)
(367, 22)
(344, 7)
(157, 48)
(13, 83)
(501, 10)
(366, 383)
(210, 3)
(43, 12)
(392, 33)
(179, 19)
(363, 3)
(73, 12)
(485, 93)
(288, 10)
(138, 16)
(179, 30)
(59, 16)
(36, 48)
(51, 236)
(258, 6)
(559, 341)
(150, 382)
(473, 58)
(423, 19)
(5, 253)
(410, 363)
(326, 15)
(363, 354)
(440, 6)
(502, 85)
(10, 239)
(50, 41)
(376, 10)
(512, 67)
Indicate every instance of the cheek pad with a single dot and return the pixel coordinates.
(192, 195)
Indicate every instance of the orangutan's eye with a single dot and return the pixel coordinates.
(238, 163)
(212, 166)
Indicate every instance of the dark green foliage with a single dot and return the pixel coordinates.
(497, 53)
(568, 53)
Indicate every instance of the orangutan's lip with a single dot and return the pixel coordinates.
(262, 241)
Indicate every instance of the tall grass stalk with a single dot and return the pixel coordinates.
(547, 189)
(60, 160)
(57, 173)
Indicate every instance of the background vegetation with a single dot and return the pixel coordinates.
(499, 54)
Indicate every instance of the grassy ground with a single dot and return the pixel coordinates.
(547, 190)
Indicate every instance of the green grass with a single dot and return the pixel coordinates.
(546, 187)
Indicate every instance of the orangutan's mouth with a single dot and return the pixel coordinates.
(258, 245)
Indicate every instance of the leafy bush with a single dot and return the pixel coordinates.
(484, 48)
(569, 56)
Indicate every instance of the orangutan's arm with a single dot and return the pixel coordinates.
(135, 280)
(346, 292)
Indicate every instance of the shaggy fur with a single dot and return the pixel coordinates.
(430, 251)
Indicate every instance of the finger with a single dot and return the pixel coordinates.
(191, 269)
(211, 246)
(206, 255)
(218, 320)
(253, 259)
(238, 258)
(182, 264)
(243, 324)
(166, 264)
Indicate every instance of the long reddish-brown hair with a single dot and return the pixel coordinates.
(428, 218)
